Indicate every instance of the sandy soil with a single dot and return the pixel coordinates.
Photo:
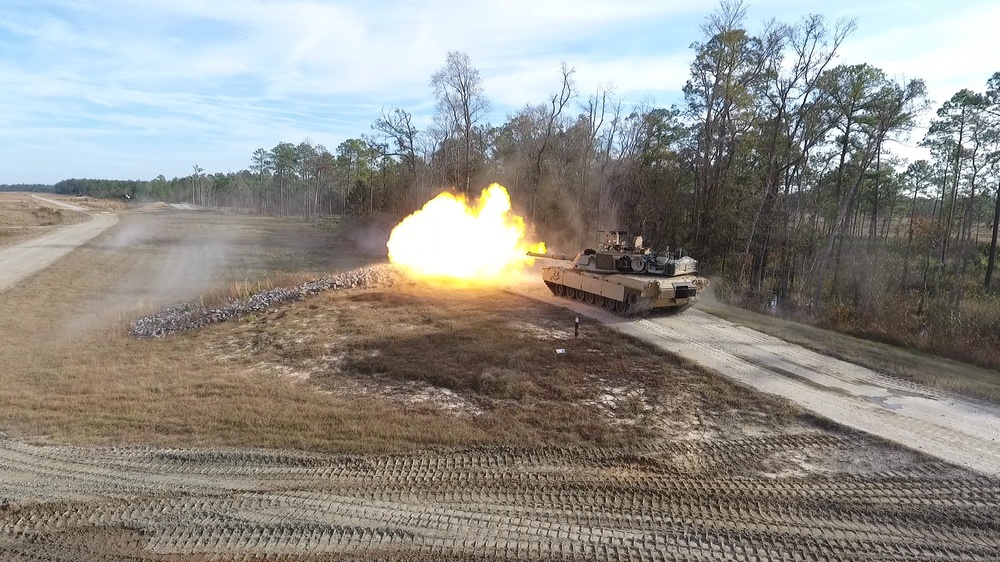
(686, 500)
(31, 256)
(24, 216)
(947, 426)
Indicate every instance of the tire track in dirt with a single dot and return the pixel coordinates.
(66, 503)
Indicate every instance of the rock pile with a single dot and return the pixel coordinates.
(190, 316)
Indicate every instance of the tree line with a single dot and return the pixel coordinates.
(36, 187)
(775, 172)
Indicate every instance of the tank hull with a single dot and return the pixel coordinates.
(625, 294)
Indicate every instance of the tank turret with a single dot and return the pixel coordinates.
(625, 276)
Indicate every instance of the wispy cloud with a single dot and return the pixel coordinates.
(950, 48)
(134, 88)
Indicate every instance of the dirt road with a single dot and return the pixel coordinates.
(33, 255)
(946, 426)
(62, 204)
(680, 500)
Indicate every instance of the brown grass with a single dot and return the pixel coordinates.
(246, 288)
(110, 205)
(23, 217)
(71, 375)
(494, 351)
(473, 343)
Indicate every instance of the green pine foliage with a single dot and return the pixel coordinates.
(777, 172)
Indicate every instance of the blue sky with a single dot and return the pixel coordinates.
(129, 89)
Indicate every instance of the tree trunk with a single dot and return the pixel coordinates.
(993, 242)
(909, 237)
(954, 188)
(873, 231)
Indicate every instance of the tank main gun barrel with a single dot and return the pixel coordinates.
(552, 256)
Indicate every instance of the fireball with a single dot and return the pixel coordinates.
(451, 239)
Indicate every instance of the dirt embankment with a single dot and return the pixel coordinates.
(29, 256)
(23, 216)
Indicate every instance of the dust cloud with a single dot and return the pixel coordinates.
(159, 259)
(371, 238)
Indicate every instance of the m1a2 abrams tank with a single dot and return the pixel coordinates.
(625, 278)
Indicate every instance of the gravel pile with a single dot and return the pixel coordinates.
(190, 316)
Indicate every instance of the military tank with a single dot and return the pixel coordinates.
(626, 278)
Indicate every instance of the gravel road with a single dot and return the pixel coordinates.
(31, 256)
(943, 425)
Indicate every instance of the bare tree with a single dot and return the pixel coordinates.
(550, 119)
(396, 127)
(787, 135)
(461, 103)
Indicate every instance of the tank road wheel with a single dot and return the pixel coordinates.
(570, 292)
(610, 304)
(560, 289)
(621, 307)
(638, 264)
(589, 297)
(552, 287)
(580, 294)
(599, 301)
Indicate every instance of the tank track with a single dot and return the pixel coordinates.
(621, 308)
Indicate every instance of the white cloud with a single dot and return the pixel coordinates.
(949, 49)
(184, 78)
(952, 51)
(634, 77)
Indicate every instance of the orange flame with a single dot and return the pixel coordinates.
(450, 239)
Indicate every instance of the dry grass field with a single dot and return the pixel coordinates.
(22, 217)
(364, 370)
(406, 422)
(70, 371)
(507, 368)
